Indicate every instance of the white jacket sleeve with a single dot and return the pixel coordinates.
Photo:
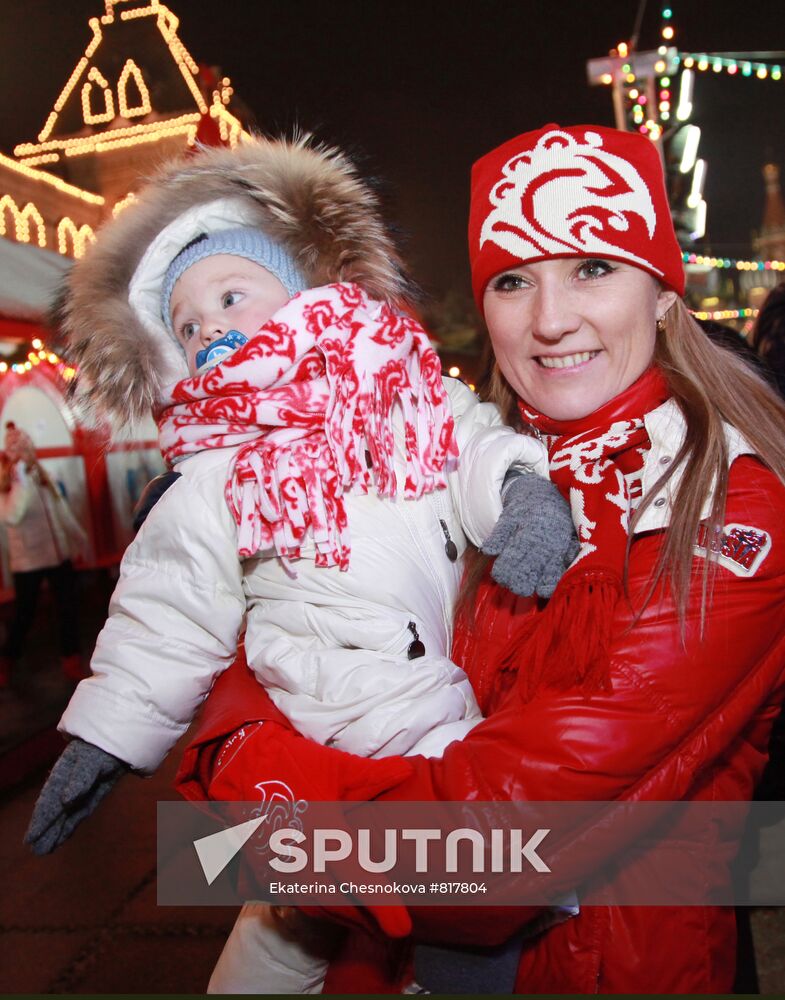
(488, 448)
(173, 624)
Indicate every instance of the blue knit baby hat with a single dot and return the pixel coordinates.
(252, 244)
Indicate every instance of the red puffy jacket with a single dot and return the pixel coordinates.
(683, 722)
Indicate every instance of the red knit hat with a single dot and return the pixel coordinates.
(580, 191)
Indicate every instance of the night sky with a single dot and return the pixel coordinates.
(420, 89)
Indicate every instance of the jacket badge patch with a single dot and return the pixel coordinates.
(740, 548)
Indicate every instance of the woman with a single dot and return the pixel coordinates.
(656, 668)
(43, 538)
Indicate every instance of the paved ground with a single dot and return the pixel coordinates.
(85, 919)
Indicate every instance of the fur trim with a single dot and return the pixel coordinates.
(308, 197)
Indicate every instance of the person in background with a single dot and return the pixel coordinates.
(768, 335)
(44, 539)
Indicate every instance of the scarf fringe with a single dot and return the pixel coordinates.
(293, 481)
(362, 416)
(568, 643)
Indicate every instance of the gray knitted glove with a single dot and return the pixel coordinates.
(79, 780)
(534, 540)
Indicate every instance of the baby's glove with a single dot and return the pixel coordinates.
(534, 540)
(78, 782)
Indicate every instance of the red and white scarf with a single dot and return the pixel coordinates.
(596, 463)
(310, 400)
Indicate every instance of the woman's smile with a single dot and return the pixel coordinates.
(566, 363)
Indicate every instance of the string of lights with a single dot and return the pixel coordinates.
(718, 315)
(100, 102)
(35, 356)
(705, 62)
(731, 263)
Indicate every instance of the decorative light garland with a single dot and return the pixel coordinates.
(730, 263)
(131, 70)
(79, 236)
(41, 177)
(705, 61)
(123, 203)
(36, 356)
(22, 219)
(90, 117)
(87, 144)
(720, 314)
(167, 23)
(26, 224)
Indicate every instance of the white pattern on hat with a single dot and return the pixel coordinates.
(576, 195)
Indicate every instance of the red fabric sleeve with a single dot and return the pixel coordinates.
(674, 711)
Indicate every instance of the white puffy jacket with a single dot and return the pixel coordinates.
(330, 646)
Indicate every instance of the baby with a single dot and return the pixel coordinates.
(320, 503)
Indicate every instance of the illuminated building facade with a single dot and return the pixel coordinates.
(135, 98)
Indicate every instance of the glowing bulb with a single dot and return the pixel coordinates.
(690, 150)
(659, 66)
(684, 109)
(3, 366)
(622, 49)
(732, 69)
(633, 94)
(689, 62)
(606, 78)
(630, 78)
(667, 32)
(37, 344)
(667, 13)
(454, 372)
(762, 72)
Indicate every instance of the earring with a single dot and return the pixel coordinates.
(661, 325)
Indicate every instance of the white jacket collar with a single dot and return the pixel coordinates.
(667, 428)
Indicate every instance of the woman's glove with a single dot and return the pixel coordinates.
(78, 782)
(534, 540)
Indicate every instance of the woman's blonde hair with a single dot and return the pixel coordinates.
(711, 385)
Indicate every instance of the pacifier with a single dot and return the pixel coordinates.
(219, 349)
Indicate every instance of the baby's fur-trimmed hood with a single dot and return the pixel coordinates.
(309, 198)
